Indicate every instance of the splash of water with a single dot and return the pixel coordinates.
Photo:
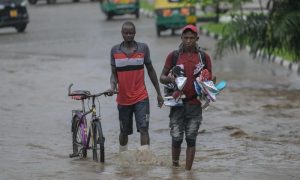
(140, 156)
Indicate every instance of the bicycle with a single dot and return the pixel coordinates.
(81, 138)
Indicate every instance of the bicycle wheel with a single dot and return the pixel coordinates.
(98, 142)
(79, 137)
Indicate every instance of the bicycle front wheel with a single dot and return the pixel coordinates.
(98, 142)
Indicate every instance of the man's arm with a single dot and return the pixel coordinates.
(208, 66)
(113, 78)
(153, 78)
(165, 78)
(113, 82)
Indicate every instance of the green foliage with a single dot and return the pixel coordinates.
(214, 27)
(146, 5)
(214, 2)
(277, 31)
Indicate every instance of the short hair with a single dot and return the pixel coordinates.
(128, 23)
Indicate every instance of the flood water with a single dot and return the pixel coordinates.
(251, 132)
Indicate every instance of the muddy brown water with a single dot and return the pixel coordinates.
(251, 132)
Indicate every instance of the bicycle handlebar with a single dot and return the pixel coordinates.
(102, 93)
(69, 89)
(87, 93)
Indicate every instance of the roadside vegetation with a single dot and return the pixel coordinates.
(146, 5)
(273, 33)
(214, 27)
(219, 29)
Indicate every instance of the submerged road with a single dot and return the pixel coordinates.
(251, 132)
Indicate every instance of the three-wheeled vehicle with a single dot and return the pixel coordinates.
(120, 7)
(173, 14)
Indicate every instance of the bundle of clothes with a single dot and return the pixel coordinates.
(205, 89)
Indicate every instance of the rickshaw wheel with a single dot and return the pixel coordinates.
(32, 1)
(173, 32)
(137, 14)
(158, 31)
(109, 16)
(51, 1)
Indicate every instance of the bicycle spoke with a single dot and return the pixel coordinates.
(79, 139)
(98, 145)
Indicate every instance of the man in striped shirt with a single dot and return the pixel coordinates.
(127, 66)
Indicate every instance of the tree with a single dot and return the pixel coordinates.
(276, 31)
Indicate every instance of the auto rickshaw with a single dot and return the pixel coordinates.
(173, 14)
(120, 7)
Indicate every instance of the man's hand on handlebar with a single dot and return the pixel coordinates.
(110, 92)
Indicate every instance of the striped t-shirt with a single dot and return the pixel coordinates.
(130, 72)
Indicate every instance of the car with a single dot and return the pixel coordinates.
(13, 13)
(120, 7)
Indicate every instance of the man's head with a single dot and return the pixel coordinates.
(128, 31)
(189, 36)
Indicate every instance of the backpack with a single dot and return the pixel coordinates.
(201, 57)
(169, 89)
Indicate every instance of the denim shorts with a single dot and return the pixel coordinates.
(141, 113)
(185, 120)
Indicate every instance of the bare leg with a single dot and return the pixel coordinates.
(190, 154)
(145, 139)
(175, 155)
(123, 139)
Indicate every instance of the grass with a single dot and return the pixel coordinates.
(214, 27)
(284, 55)
(209, 15)
(146, 5)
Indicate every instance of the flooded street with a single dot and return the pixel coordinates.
(251, 132)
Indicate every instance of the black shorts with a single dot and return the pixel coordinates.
(141, 112)
(185, 120)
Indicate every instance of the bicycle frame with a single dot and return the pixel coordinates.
(81, 114)
(93, 119)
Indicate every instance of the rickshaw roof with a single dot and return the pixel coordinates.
(159, 4)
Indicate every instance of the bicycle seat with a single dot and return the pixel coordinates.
(82, 93)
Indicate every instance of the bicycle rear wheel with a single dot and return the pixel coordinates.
(98, 142)
(79, 137)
